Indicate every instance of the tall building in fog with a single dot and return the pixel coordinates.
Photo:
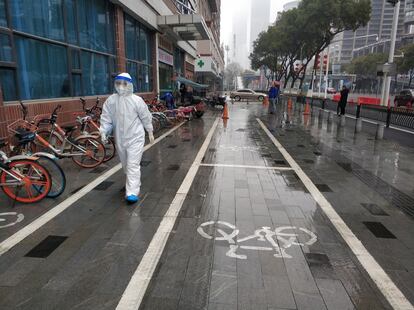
(259, 20)
(250, 17)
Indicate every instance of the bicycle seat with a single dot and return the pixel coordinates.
(68, 129)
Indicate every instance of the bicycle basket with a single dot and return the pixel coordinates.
(21, 125)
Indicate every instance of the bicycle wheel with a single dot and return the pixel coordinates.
(155, 123)
(52, 138)
(31, 174)
(91, 152)
(57, 175)
(110, 149)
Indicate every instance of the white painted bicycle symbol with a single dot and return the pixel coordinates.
(19, 217)
(278, 240)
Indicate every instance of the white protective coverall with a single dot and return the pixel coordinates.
(127, 115)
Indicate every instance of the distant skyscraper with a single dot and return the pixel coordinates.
(241, 33)
(291, 5)
(259, 21)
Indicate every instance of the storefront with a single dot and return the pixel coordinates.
(166, 71)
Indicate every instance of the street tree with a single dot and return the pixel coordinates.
(405, 65)
(300, 34)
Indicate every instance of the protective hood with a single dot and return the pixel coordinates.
(121, 89)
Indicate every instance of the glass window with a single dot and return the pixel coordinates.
(95, 74)
(75, 56)
(42, 17)
(143, 46)
(71, 31)
(76, 85)
(5, 48)
(132, 69)
(130, 38)
(166, 75)
(42, 69)
(8, 84)
(95, 24)
(3, 19)
(144, 76)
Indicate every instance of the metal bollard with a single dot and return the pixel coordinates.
(380, 132)
(358, 125)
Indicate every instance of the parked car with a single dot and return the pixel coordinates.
(405, 98)
(331, 90)
(247, 94)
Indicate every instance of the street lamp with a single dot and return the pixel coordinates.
(385, 95)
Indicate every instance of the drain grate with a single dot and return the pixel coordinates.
(323, 188)
(346, 166)
(46, 247)
(317, 259)
(309, 161)
(379, 230)
(145, 163)
(317, 153)
(173, 167)
(103, 186)
(99, 169)
(300, 145)
(374, 209)
(280, 162)
(172, 146)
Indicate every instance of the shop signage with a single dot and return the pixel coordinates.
(205, 64)
(165, 57)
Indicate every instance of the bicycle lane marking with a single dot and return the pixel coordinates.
(137, 286)
(384, 283)
(26, 231)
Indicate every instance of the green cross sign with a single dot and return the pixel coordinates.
(200, 63)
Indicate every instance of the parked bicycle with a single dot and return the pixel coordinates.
(24, 180)
(85, 150)
(89, 125)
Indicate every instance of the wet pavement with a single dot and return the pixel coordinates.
(248, 233)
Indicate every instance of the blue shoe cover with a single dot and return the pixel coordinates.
(132, 198)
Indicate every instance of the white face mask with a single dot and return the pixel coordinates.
(121, 89)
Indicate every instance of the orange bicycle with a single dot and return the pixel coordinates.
(22, 178)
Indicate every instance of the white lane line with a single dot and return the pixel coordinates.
(246, 166)
(134, 293)
(26, 231)
(387, 287)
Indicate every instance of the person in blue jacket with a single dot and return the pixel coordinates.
(169, 101)
(273, 95)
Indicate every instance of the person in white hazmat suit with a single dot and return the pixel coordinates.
(127, 116)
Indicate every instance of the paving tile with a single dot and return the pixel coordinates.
(374, 209)
(334, 294)
(223, 288)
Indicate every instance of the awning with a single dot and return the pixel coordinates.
(184, 27)
(191, 83)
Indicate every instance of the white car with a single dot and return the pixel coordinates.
(247, 94)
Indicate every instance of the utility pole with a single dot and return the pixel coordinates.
(387, 77)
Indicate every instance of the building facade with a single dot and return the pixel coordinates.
(53, 52)
(375, 37)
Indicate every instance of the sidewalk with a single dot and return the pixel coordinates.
(246, 231)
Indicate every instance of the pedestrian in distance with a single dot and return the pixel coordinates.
(342, 101)
(183, 93)
(273, 96)
(169, 101)
(127, 115)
